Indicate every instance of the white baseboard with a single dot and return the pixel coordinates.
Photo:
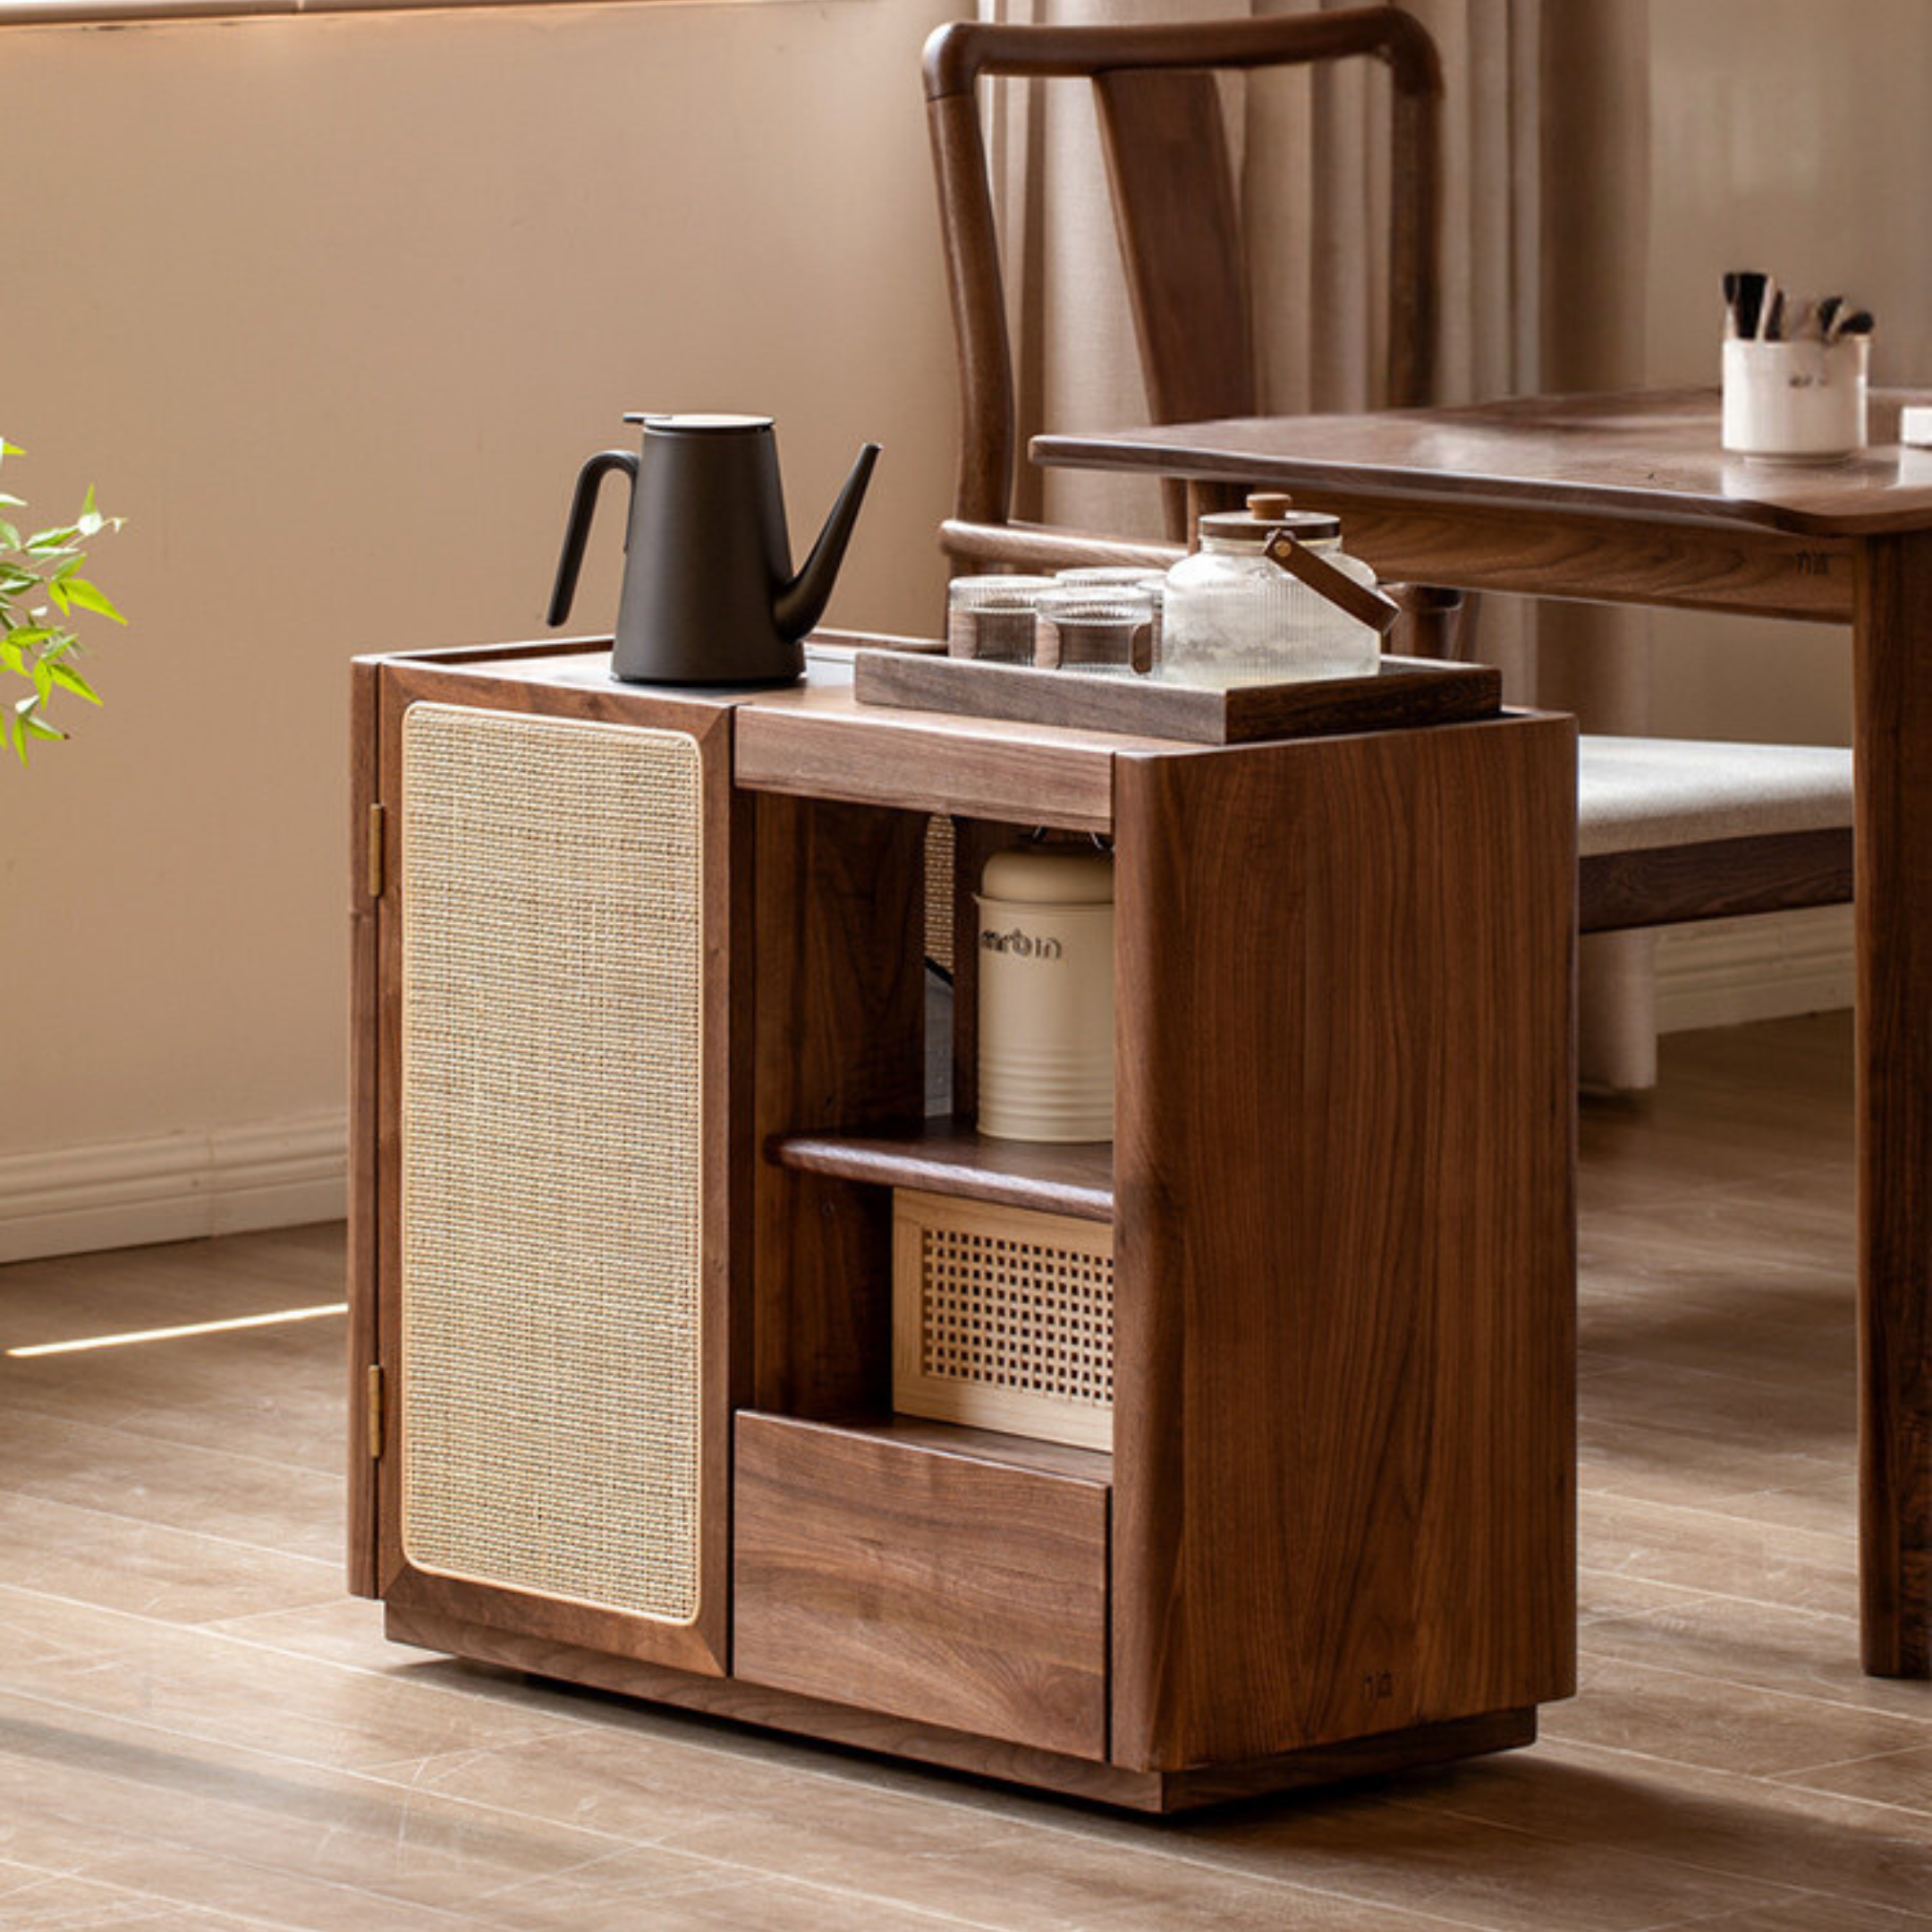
(173, 1187)
(1734, 971)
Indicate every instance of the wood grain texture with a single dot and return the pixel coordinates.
(777, 1709)
(834, 749)
(838, 1042)
(1893, 660)
(701, 1646)
(365, 1205)
(1651, 455)
(1344, 1427)
(1039, 546)
(1624, 560)
(1720, 879)
(949, 1590)
(944, 1155)
(1406, 692)
(1176, 217)
(1168, 167)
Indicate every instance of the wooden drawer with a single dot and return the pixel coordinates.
(884, 1567)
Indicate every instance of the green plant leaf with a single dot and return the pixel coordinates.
(90, 596)
(43, 543)
(9, 535)
(69, 679)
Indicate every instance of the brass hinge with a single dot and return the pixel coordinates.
(372, 1404)
(373, 869)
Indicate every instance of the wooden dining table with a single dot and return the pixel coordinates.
(1630, 499)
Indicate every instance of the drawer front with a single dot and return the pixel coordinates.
(936, 1587)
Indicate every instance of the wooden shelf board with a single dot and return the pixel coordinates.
(944, 1155)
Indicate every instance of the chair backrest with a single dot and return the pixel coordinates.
(1176, 212)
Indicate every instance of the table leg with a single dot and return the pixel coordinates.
(1893, 656)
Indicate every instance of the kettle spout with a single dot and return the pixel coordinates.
(800, 603)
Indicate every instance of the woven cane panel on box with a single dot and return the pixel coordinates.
(939, 892)
(1003, 1319)
(551, 1170)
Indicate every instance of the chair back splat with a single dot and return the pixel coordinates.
(1158, 94)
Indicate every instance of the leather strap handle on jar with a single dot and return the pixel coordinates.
(1366, 605)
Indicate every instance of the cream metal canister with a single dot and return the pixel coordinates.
(1047, 994)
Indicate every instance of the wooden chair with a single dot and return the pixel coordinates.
(1670, 830)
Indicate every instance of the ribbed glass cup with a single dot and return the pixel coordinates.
(992, 617)
(1097, 627)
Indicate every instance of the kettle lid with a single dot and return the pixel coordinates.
(700, 425)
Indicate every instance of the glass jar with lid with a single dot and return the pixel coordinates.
(1233, 615)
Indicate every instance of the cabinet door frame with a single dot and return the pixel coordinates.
(379, 1564)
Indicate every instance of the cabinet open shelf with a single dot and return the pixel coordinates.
(943, 1155)
(1066, 1461)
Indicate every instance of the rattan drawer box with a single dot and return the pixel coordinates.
(1003, 1318)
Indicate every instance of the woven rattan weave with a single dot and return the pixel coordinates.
(1003, 1318)
(551, 1169)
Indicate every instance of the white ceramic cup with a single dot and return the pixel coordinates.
(1804, 402)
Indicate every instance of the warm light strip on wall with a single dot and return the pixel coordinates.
(190, 1328)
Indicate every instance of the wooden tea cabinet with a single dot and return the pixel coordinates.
(640, 1434)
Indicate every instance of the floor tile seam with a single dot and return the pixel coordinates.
(1718, 1681)
(387, 1773)
(1841, 1623)
(354, 1773)
(1801, 1377)
(332, 1565)
(711, 1876)
(1894, 1915)
(1614, 1492)
(1838, 1548)
(701, 1867)
(214, 1915)
(714, 1872)
(1840, 1272)
(148, 1438)
(766, 1875)
(1221, 1868)
(1585, 1836)
(1408, 1915)
(215, 1634)
(1795, 1778)
(1672, 1768)
(1609, 1434)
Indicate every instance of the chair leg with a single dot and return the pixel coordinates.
(1430, 626)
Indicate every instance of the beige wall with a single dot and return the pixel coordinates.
(1792, 137)
(331, 309)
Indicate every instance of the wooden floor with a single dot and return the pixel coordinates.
(197, 1729)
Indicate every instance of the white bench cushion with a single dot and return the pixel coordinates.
(1633, 793)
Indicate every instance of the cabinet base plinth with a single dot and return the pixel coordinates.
(957, 1750)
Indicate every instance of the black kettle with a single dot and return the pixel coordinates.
(708, 593)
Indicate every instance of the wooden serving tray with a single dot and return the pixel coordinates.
(1407, 692)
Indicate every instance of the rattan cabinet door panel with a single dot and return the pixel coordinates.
(551, 1340)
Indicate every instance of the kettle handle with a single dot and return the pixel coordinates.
(577, 529)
